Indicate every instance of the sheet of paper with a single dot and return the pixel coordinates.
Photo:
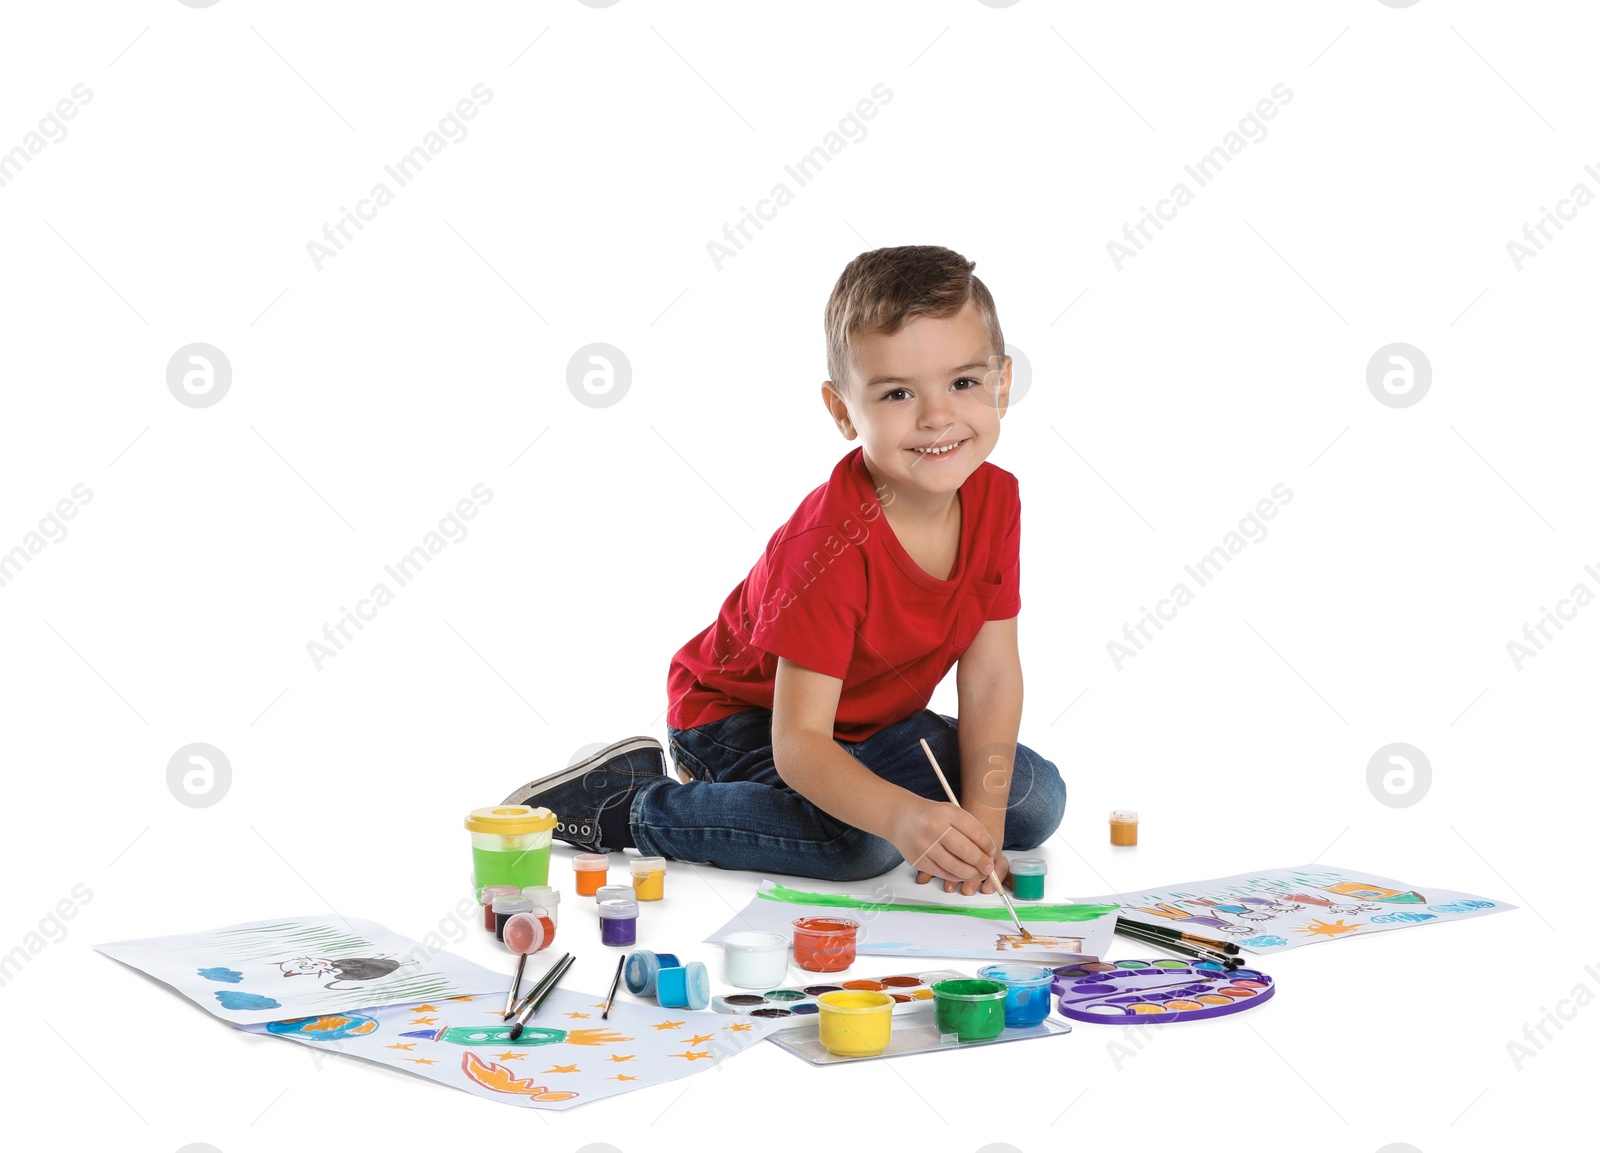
(302, 966)
(902, 927)
(566, 1056)
(1276, 909)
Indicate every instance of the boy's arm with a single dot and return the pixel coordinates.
(934, 836)
(989, 712)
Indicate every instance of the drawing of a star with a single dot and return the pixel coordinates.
(670, 1025)
(738, 1028)
(599, 1004)
(424, 1020)
(624, 1057)
(697, 1039)
(620, 1077)
(421, 1061)
(563, 1069)
(512, 1056)
(467, 997)
(575, 1014)
(407, 1045)
(691, 1056)
(424, 1009)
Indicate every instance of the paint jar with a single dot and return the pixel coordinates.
(640, 969)
(755, 960)
(683, 986)
(649, 878)
(825, 944)
(488, 897)
(1027, 992)
(619, 922)
(510, 845)
(589, 870)
(974, 1010)
(1027, 878)
(547, 898)
(529, 932)
(1124, 827)
(854, 1024)
(614, 893)
(503, 909)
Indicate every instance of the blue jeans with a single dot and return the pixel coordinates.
(737, 813)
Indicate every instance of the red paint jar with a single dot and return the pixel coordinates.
(825, 944)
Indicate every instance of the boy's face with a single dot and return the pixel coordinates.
(929, 386)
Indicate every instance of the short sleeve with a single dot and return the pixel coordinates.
(810, 602)
(1008, 558)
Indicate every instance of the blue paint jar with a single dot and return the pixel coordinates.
(684, 986)
(640, 969)
(1027, 992)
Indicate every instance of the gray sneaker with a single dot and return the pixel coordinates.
(600, 785)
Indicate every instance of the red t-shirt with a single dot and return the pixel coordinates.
(836, 592)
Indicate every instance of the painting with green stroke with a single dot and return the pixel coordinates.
(1056, 914)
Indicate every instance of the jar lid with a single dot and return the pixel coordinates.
(1124, 815)
(510, 819)
(614, 892)
(543, 894)
(491, 892)
(620, 909)
(1029, 867)
(509, 904)
(591, 862)
(647, 864)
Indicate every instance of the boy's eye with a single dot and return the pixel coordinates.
(896, 394)
(965, 380)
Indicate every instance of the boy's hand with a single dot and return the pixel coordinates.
(1002, 869)
(944, 840)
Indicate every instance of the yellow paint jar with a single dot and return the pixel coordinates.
(851, 1024)
(649, 878)
(1124, 827)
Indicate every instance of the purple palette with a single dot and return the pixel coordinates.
(1156, 992)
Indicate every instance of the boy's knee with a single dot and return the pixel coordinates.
(856, 855)
(1038, 801)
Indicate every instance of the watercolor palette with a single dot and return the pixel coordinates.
(796, 1005)
(1156, 992)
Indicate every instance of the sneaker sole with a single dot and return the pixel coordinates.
(576, 772)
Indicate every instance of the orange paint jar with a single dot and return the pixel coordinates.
(825, 944)
(589, 871)
(1124, 827)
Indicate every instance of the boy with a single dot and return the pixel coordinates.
(795, 718)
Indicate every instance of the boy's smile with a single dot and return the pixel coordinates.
(926, 404)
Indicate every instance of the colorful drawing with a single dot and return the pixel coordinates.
(501, 1035)
(333, 1027)
(1349, 903)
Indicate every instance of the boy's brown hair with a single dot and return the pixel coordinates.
(880, 290)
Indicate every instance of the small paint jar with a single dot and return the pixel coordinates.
(755, 960)
(589, 871)
(1124, 827)
(851, 1024)
(504, 908)
(640, 969)
(619, 922)
(614, 893)
(974, 1010)
(683, 986)
(547, 898)
(649, 878)
(1027, 878)
(511, 845)
(825, 944)
(488, 897)
(528, 932)
(1027, 992)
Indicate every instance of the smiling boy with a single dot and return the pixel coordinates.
(795, 717)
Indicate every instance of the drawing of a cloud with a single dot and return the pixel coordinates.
(226, 976)
(235, 1000)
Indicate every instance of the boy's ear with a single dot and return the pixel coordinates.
(838, 410)
(997, 381)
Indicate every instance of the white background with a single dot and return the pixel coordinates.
(1166, 399)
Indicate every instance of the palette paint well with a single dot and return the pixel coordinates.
(798, 1004)
(1156, 992)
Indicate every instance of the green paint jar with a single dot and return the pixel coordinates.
(974, 1010)
(510, 846)
(1027, 878)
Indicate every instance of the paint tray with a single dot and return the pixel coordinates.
(916, 1034)
(796, 1006)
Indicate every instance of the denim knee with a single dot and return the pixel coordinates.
(1038, 800)
(857, 855)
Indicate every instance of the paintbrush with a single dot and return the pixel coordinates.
(538, 999)
(538, 987)
(993, 876)
(612, 996)
(516, 984)
(1181, 935)
(1183, 948)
